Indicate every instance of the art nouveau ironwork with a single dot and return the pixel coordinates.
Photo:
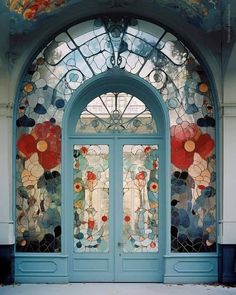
(78, 54)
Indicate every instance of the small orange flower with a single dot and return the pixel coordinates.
(78, 187)
(84, 151)
(76, 165)
(147, 150)
(78, 204)
(31, 12)
(154, 187)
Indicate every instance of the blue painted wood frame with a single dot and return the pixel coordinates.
(117, 80)
(171, 259)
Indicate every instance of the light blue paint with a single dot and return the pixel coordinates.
(41, 268)
(185, 268)
(168, 266)
(106, 82)
(115, 265)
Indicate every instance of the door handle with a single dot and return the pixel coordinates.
(120, 244)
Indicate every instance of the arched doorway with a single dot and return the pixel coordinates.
(115, 162)
(114, 55)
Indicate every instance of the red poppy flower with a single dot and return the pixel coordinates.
(91, 175)
(147, 149)
(45, 140)
(91, 223)
(155, 165)
(31, 12)
(187, 139)
(141, 175)
(104, 218)
(153, 245)
(127, 218)
(84, 151)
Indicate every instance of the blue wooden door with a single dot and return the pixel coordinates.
(116, 228)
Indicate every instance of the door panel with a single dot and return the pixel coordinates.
(115, 211)
(138, 258)
(140, 198)
(92, 258)
(91, 198)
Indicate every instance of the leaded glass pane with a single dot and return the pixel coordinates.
(76, 55)
(116, 112)
(141, 198)
(91, 198)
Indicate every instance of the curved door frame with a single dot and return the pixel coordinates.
(117, 80)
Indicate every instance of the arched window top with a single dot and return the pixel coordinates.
(70, 63)
(95, 46)
(133, 45)
(116, 112)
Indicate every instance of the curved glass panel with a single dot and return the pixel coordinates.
(73, 57)
(116, 112)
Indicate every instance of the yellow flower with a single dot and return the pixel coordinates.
(78, 204)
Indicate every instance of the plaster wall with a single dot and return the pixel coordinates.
(227, 228)
(6, 224)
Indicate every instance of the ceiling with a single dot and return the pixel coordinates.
(203, 14)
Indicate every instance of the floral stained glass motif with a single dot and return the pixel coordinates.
(152, 53)
(141, 198)
(91, 198)
(116, 112)
(30, 9)
(193, 188)
(38, 189)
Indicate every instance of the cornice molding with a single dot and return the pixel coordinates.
(228, 109)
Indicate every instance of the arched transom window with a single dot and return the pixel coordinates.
(116, 112)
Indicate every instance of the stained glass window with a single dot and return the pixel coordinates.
(76, 55)
(91, 198)
(116, 112)
(141, 198)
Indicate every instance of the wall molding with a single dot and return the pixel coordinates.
(191, 268)
(6, 109)
(228, 109)
(41, 268)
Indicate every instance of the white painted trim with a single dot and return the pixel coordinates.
(6, 110)
(7, 233)
(7, 236)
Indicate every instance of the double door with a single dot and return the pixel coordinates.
(115, 213)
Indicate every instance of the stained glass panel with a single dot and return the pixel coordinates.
(76, 55)
(91, 198)
(141, 198)
(38, 203)
(116, 112)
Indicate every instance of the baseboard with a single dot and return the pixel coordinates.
(192, 269)
(41, 269)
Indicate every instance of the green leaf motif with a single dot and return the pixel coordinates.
(23, 193)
